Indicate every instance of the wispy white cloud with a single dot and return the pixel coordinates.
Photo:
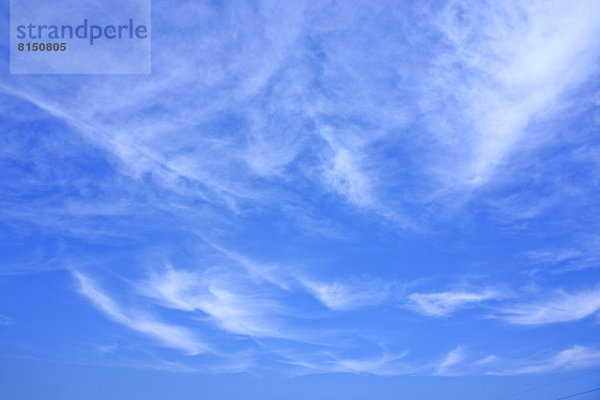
(168, 335)
(288, 113)
(450, 361)
(573, 358)
(244, 314)
(554, 256)
(345, 171)
(336, 295)
(386, 364)
(456, 362)
(271, 273)
(348, 295)
(445, 303)
(509, 63)
(560, 307)
(233, 306)
(579, 256)
(487, 360)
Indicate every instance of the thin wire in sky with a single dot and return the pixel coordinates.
(544, 385)
(579, 394)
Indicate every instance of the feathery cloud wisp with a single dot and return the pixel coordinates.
(347, 295)
(562, 307)
(230, 299)
(453, 358)
(169, 335)
(572, 358)
(445, 303)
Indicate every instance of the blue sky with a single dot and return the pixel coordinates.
(310, 200)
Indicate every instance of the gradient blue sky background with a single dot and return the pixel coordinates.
(321, 199)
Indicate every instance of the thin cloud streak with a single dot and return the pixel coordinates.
(168, 335)
(452, 359)
(232, 305)
(575, 357)
(562, 307)
(443, 304)
(341, 296)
